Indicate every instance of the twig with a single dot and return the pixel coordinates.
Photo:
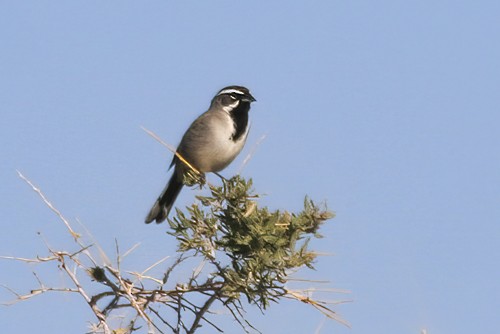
(33, 293)
(75, 235)
(172, 149)
(128, 292)
(317, 305)
(161, 318)
(201, 312)
(22, 259)
(235, 317)
(98, 313)
(179, 260)
(252, 152)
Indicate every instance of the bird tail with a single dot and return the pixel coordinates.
(164, 203)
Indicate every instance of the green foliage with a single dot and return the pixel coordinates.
(252, 249)
(245, 252)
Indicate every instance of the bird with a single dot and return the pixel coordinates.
(210, 144)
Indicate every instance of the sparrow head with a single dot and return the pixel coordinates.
(230, 97)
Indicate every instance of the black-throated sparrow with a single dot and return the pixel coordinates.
(211, 143)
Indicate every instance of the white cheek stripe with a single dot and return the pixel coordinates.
(231, 90)
(230, 107)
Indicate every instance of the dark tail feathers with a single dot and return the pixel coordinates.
(164, 203)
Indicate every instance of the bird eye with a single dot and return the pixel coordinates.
(232, 97)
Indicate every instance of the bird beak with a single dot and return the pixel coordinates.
(249, 98)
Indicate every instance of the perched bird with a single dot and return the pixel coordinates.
(210, 143)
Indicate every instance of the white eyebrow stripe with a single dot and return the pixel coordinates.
(231, 90)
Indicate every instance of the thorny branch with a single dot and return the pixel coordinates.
(164, 306)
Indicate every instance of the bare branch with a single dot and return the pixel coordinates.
(201, 312)
(75, 235)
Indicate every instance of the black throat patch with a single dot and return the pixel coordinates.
(240, 119)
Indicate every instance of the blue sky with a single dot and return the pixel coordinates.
(386, 110)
